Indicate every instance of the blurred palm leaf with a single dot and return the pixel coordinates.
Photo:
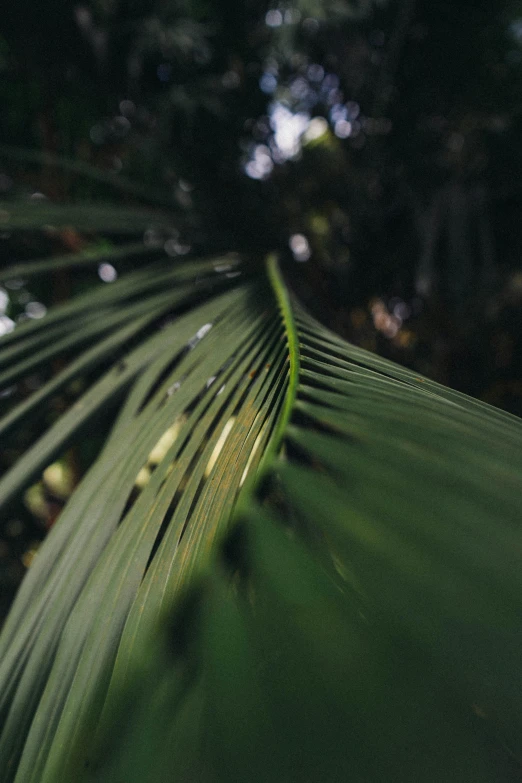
(86, 170)
(16, 216)
(292, 560)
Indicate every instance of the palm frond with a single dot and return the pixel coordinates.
(292, 559)
(93, 174)
(91, 256)
(107, 218)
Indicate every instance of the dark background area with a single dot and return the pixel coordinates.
(375, 145)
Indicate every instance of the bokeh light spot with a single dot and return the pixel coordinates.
(300, 247)
(107, 273)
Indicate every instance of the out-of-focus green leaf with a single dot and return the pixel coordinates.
(20, 216)
(317, 578)
(84, 169)
(92, 256)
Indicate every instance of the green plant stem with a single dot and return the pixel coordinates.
(283, 300)
(274, 445)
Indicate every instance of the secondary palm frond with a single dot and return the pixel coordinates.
(292, 559)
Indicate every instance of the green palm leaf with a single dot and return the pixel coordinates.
(318, 578)
(18, 215)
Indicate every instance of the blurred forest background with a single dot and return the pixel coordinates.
(375, 144)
